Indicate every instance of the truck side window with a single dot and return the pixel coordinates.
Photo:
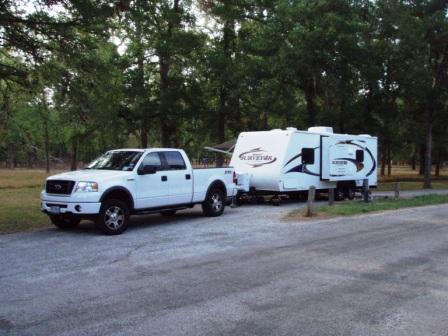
(308, 155)
(359, 155)
(175, 161)
(152, 159)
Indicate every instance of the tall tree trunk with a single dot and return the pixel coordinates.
(421, 168)
(221, 123)
(389, 160)
(164, 69)
(428, 159)
(140, 98)
(383, 160)
(438, 161)
(74, 159)
(413, 161)
(47, 146)
(164, 109)
(310, 97)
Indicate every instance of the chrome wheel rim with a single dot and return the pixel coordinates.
(216, 202)
(114, 217)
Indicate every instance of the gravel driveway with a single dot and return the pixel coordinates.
(247, 272)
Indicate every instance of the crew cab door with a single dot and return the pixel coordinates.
(180, 177)
(152, 189)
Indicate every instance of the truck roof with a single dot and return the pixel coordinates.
(144, 149)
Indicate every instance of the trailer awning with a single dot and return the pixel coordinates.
(225, 147)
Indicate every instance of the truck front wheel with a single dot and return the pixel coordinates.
(113, 218)
(64, 223)
(214, 203)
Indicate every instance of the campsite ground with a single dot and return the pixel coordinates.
(249, 272)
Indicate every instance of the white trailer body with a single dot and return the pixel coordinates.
(291, 160)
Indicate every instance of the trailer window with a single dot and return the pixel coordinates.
(359, 155)
(175, 160)
(308, 155)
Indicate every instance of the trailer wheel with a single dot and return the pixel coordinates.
(214, 203)
(339, 194)
(349, 193)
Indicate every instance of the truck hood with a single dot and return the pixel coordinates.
(93, 175)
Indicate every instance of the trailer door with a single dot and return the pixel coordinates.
(342, 159)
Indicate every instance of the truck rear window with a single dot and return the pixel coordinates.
(175, 161)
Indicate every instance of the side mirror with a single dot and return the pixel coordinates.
(147, 170)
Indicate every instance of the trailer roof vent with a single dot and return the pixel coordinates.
(320, 129)
(291, 129)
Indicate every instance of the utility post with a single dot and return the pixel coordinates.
(310, 203)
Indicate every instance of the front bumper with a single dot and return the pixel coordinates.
(77, 208)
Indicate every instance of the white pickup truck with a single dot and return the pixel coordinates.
(131, 181)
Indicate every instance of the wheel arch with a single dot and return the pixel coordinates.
(119, 193)
(217, 184)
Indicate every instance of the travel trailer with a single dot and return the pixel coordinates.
(291, 161)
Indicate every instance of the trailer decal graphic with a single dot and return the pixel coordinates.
(301, 169)
(359, 165)
(257, 157)
(351, 142)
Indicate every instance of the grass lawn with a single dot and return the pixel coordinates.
(358, 207)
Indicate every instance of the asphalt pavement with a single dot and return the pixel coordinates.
(248, 272)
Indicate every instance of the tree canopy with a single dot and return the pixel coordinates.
(81, 76)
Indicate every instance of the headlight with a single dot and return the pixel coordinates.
(86, 187)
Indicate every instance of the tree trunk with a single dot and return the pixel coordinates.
(164, 109)
(164, 69)
(140, 98)
(389, 160)
(310, 96)
(421, 167)
(438, 161)
(413, 162)
(74, 160)
(428, 161)
(221, 123)
(383, 159)
(47, 146)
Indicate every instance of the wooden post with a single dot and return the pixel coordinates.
(331, 196)
(365, 190)
(397, 190)
(310, 203)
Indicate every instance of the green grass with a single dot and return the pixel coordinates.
(359, 207)
(412, 185)
(20, 210)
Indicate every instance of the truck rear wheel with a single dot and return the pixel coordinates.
(214, 203)
(64, 223)
(113, 218)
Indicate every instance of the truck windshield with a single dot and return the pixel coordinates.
(116, 160)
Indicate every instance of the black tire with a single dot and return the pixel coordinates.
(113, 218)
(64, 223)
(168, 213)
(349, 193)
(214, 203)
(339, 194)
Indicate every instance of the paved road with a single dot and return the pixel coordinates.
(245, 273)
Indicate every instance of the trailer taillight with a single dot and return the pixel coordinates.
(235, 179)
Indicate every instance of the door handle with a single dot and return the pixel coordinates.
(164, 178)
(188, 177)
